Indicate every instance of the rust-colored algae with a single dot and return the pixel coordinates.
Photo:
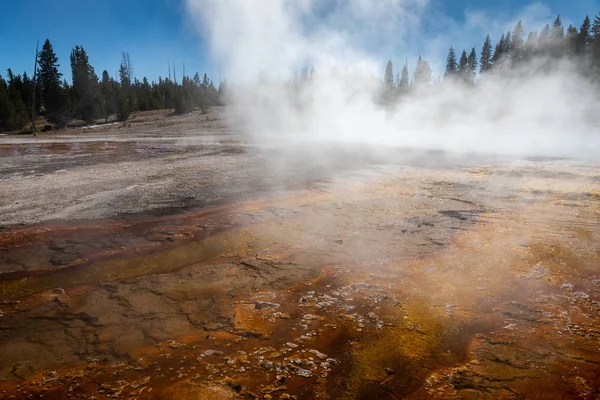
(404, 288)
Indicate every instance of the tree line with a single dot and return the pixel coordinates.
(513, 50)
(90, 98)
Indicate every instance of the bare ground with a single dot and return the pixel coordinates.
(171, 259)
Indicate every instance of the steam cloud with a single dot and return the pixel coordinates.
(550, 113)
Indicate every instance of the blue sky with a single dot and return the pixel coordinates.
(154, 31)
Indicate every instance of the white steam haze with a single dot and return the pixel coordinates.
(552, 113)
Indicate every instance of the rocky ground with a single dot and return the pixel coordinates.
(171, 259)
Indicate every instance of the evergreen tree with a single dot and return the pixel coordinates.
(86, 90)
(183, 102)
(213, 94)
(89, 98)
(27, 90)
(530, 46)
(145, 99)
(6, 108)
(199, 95)
(423, 73)
(125, 70)
(20, 87)
(463, 67)
(498, 51)
(110, 90)
(403, 83)
(596, 27)
(571, 40)
(462, 64)
(48, 75)
(518, 43)
(486, 55)
(595, 45)
(389, 75)
(556, 40)
(19, 109)
(508, 45)
(54, 94)
(558, 31)
(125, 100)
(472, 65)
(451, 64)
(65, 99)
(125, 105)
(584, 38)
(27, 94)
(544, 38)
(222, 92)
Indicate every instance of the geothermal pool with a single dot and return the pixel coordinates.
(169, 261)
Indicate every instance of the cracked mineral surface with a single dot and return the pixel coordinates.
(166, 260)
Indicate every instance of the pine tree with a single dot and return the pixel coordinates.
(88, 97)
(144, 93)
(20, 90)
(544, 37)
(595, 45)
(571, 40)
(183, 102)
(6, 108)
(462, 64)
(125, 70)
(518, 43)
(19, 109)
(27, 90)
(222, 92)
(451, 64)
(48, 74)
(125, 105)
(65, 115)
(558, 31)
(556, 40)
(530, 45)
(86, 90)
(472, 65)
(508, 45)
(55, 98)
(125, 100)
(498, 51)
(109, 89)
(486, 55)
(199, 95)
(463, 67)
(596, 27)
(213, 94)
(584, 38)
(389, 75)
(403, 83)
(423, 73)
(197, 80)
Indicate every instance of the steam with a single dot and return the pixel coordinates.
(261, 43)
